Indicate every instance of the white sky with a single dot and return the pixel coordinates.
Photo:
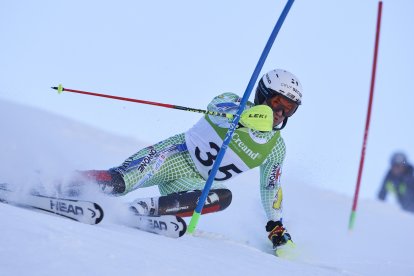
(186, 52)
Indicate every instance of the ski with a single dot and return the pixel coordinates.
(167, 225)
(78, 210)
(181, 204)
(92, 213)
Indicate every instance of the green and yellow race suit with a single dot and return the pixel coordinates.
(183, 162)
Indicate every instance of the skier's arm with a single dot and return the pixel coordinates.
(270, 185)
(272, 196)
(383, 191)
(227, 103)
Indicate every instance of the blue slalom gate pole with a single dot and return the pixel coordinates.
(197, 212)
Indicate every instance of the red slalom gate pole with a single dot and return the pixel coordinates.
(371, 96)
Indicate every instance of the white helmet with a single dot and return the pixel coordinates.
(278, 82)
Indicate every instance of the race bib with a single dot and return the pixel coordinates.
(205, 139)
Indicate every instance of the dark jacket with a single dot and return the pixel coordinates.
(402, 186)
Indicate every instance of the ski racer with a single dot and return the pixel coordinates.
(183, 162)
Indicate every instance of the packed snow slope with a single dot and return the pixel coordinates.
(36, 146)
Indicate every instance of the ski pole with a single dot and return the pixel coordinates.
(61, 89)
(197, 212)
(364, 143)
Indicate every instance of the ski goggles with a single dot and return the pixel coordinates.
(281, 103)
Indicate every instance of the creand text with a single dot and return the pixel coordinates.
(236, 139)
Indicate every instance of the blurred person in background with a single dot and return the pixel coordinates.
(399, 181)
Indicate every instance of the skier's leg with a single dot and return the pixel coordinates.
(163, 162)
(159, 164)
(147, 167)
(182, 195)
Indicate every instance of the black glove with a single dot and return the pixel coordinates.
(277, 233)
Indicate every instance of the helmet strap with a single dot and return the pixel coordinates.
(283, 125)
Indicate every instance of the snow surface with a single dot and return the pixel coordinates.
(38, 147)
